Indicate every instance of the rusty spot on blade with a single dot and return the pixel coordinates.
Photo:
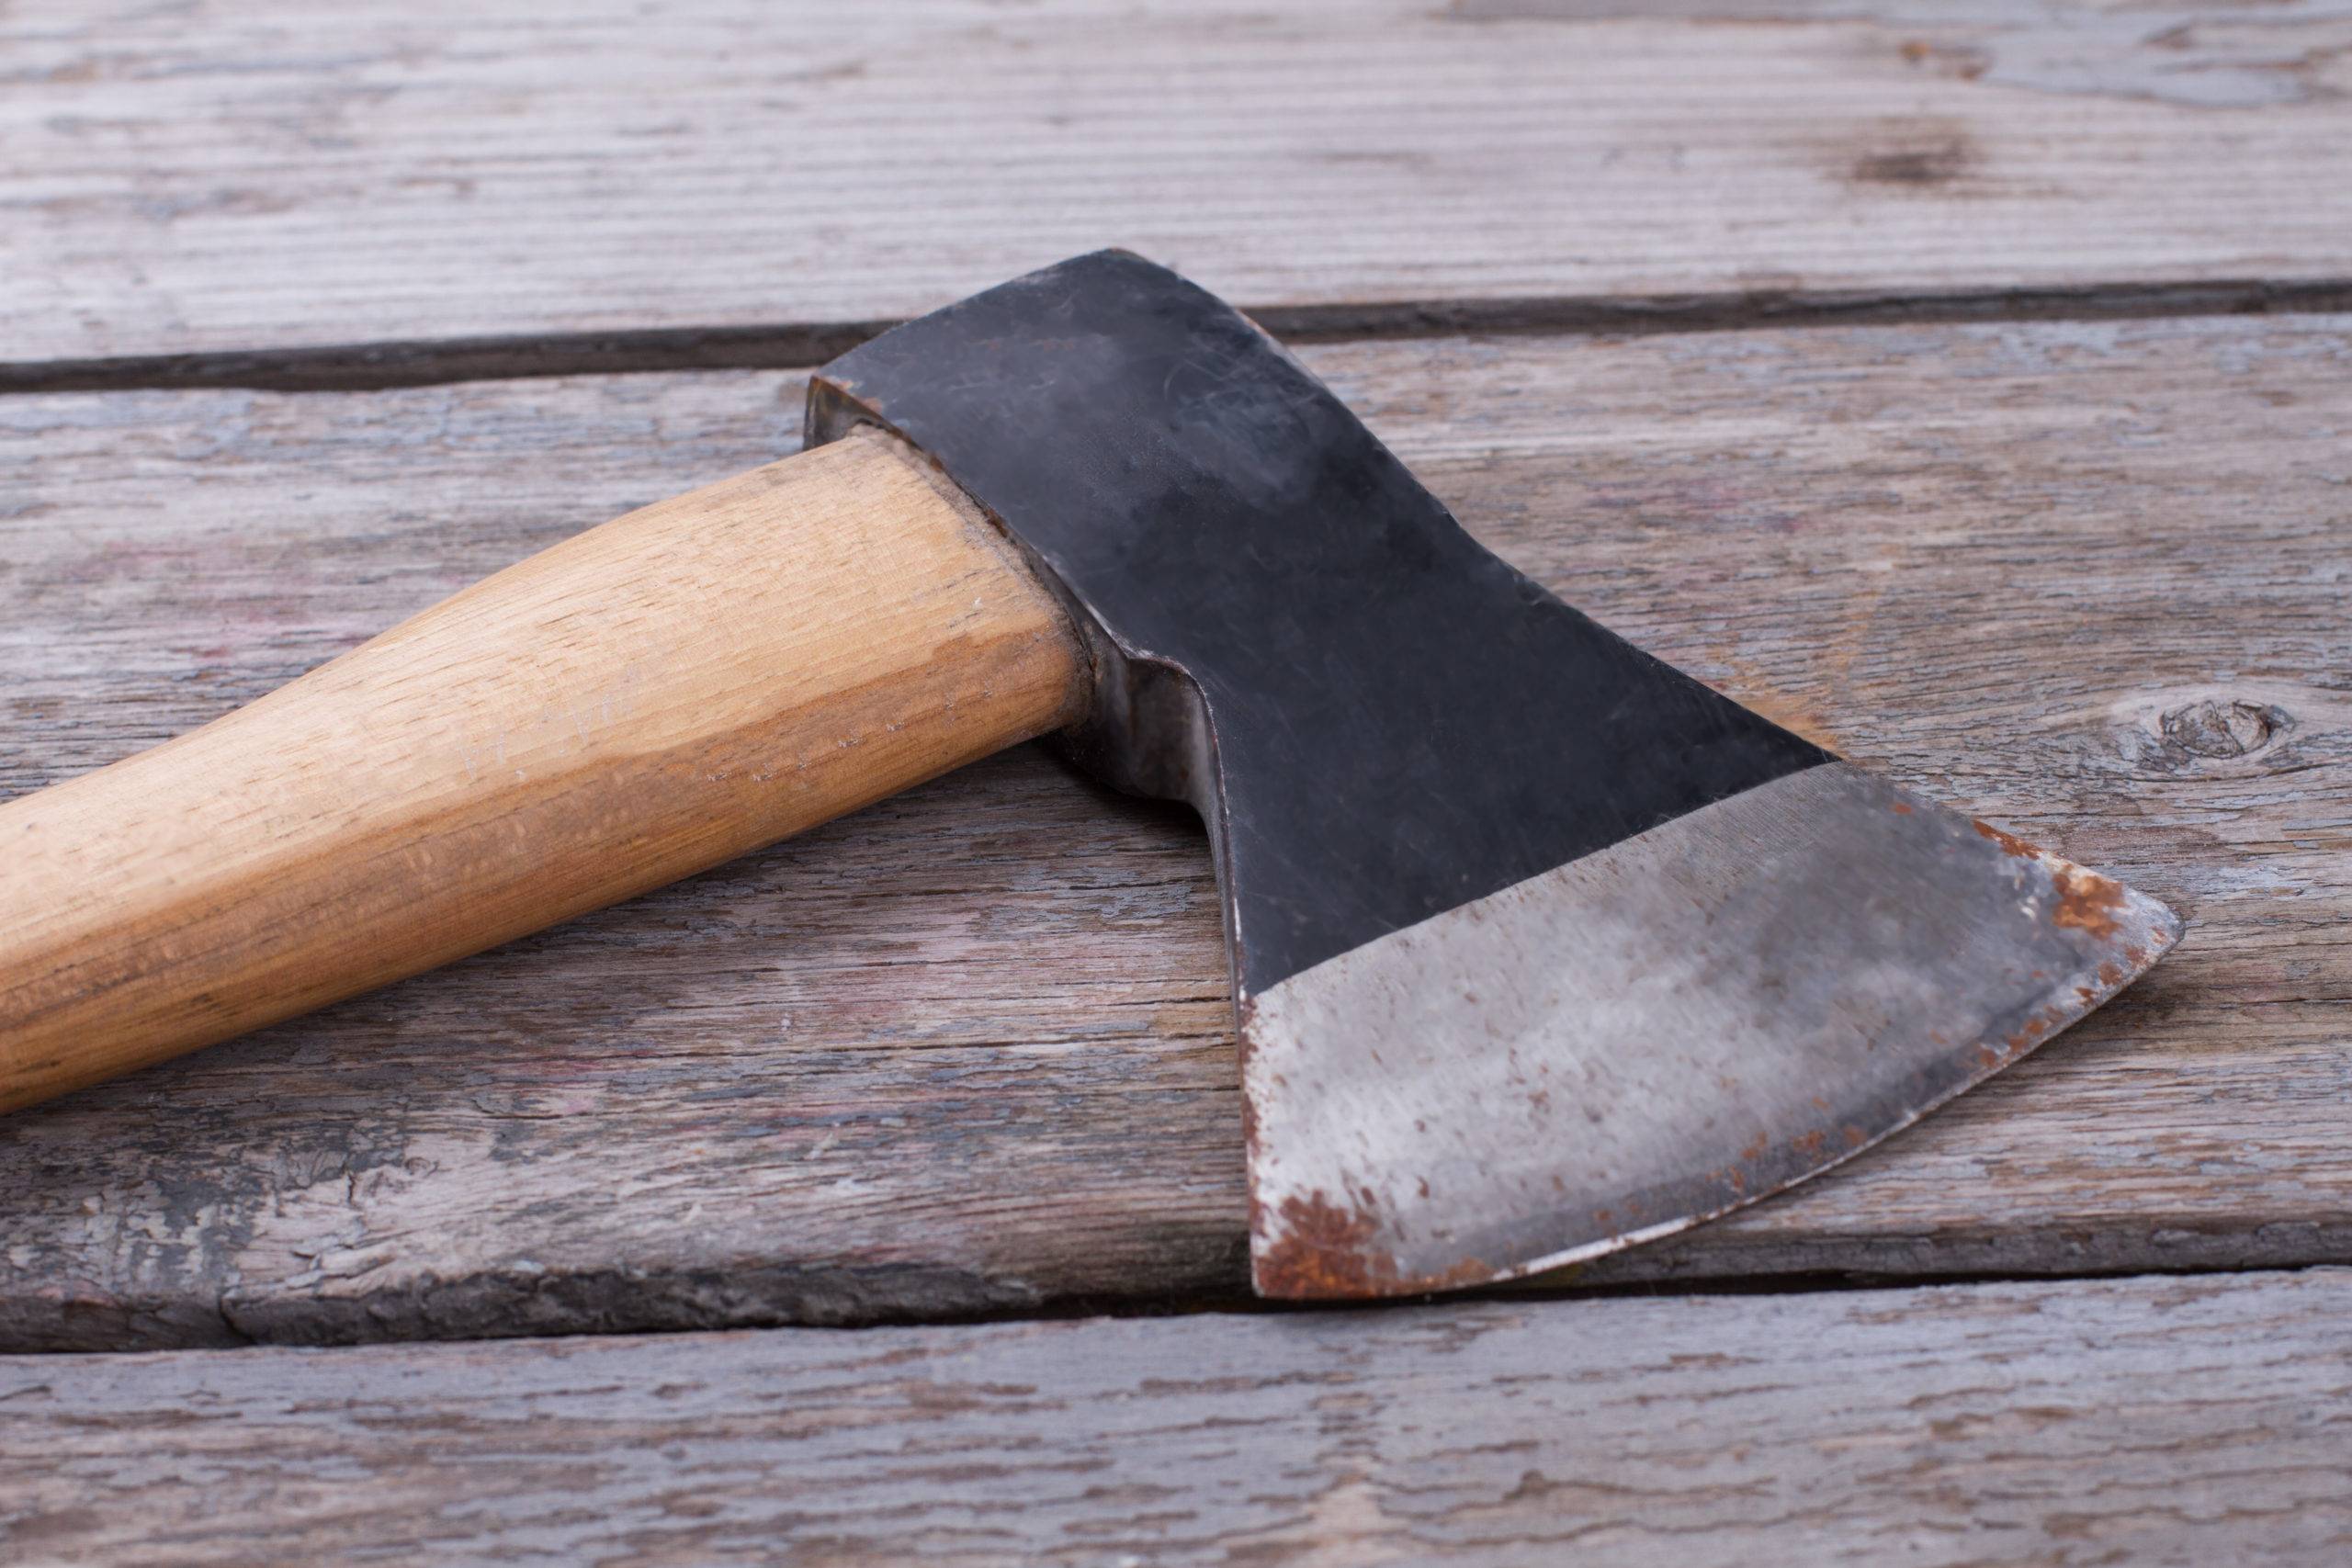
(1322, 1251)
(2010, 843)
(2086, 901)
(1326, 1252)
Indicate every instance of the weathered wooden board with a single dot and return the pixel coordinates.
(969, 1050)
(223, 176)
(2150, 1421)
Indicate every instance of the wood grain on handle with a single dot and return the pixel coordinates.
(637, 704)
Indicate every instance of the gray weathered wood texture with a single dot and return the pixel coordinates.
(254, 179)
(969, 1050)
(968, 1053)
(2147, 1421)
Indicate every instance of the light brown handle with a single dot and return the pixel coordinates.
(643, 701)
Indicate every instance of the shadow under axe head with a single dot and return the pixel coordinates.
(1540, 948)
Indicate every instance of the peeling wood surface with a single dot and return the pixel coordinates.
(969, 1052)
(2151, 1421)
(237, 178)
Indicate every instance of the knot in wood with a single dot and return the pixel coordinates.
(2223, 730)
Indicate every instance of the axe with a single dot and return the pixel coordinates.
(1538, 947)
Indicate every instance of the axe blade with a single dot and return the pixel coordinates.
(1658, 1032)
(1540, 947)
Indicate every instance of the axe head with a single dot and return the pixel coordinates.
(1540, 948)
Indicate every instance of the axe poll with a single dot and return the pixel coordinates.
(1538, 947)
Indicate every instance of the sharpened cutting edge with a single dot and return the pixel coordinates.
(1660, 1031)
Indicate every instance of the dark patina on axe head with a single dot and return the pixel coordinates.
(1540, 948)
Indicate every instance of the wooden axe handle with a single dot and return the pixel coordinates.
(643, 701)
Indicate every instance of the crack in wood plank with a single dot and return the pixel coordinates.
(375, 366)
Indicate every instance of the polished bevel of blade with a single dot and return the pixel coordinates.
(1657, 1033)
